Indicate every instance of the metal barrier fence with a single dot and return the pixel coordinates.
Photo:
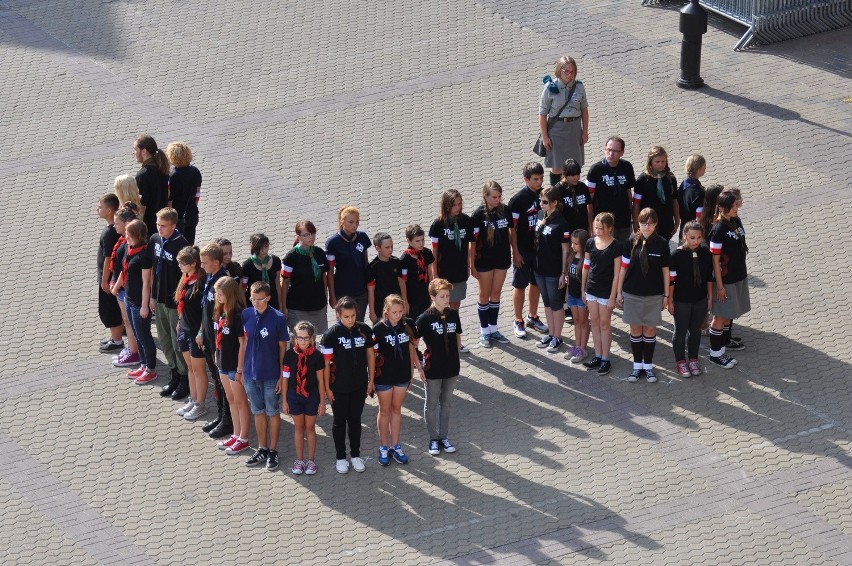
(770, 21)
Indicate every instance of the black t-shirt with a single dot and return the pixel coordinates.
(229, 330)
(574, 281)
(347, 263)
(496, 254)
(552, 233)
(524, 216)
(452, 258)
(393, 356)
(601, 268)
(659, 257)
(305, 293)
(383, 277)
(575, 205)
(727, 240)
(415, 272)
(610, 189)
(441, 358)
(105, 244)
(117, 265)
(190, 318)
(251, 274)
(314, 364)
(647, 194)
(153, 192)
(690, 196)
(686, 288)
(208, 302)
(184, 189)
(166, 281)
(133, 277)
(347, 350)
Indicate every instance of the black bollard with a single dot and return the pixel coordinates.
(693, 24)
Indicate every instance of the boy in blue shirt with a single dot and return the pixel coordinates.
(259, 366)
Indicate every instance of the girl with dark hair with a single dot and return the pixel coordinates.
(643, 291)
(491, 257)
(129, 356)
(579, 312)
(304, 275)
(152, 179)
(262, 266)
(576, 202)
(188, 299)
(136, 279)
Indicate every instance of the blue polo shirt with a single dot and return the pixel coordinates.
(263, 333)
(346, 261)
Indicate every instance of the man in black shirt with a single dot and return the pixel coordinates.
(610, 183)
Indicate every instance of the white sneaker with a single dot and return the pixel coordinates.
(358, 464)
(197, 411)
(342, 466)
(186, 408)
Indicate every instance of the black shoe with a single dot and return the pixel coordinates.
(174, 381)
(111, 346)
(208, 427)
(604, 368)
(182, 390)
(272, 460)
(224, 428)
(259, 457)
(594, 363)
(734, 345)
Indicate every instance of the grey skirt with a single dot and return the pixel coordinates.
(566, 144)
(644, 311)
(738, 302)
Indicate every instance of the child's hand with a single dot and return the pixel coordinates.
(284, 406)
(279, 385)
(330, 396)
(671, 308)
(199, 341)
(373, 317)
(143, 312)
(105, 287)
(321, 409)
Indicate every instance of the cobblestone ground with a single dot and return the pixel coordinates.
(293, 108)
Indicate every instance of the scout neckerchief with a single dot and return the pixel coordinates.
(454, 220)
(302, 369)
(261, 265)
(121, 240)
(221, 324)
(420, 258)
(187, 281)
(310, 253)
(397, 330)
(130, 253)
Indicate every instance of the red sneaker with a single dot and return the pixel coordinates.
(226, 443)
(237, 447)
(134, 373)
(146, 376)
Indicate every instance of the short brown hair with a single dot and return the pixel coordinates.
(168, 215)
(213, 251)
(439, 284)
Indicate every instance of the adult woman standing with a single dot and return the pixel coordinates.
(563, 102)
(304, 273)
(152, 179)
(184, 188)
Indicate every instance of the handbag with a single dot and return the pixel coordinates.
(539, 148)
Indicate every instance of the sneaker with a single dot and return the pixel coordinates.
(485, 340)
(568, 318)
(237, 447)
(694, 368)
(555, 344)
(384, 460)
(310, 468)
(634, 375)
(594, 363)
(258, 457)
(434, 450)
(358, 464)
(298, 467)
(579, 356)
(544, 342)
(519, 329)
(134, 373)
(447, 446)
(734, 345)
(195, 413)
(111, 346)
(464, 349)
(683, 369)
(604, 367)
(536, 323)
(499, 337)
(399, 455)
(650, 376)
(130, 360)
(104, 341)
(122, 354)
(186, 408)
(342, 466)
(723, 361)
(226, 443)
(737, 339)
(272, 460)
(146, 377)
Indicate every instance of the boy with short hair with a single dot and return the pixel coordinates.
(260, 370)
(418, 268)
(164, 247)
(384, 276)
(108, 309)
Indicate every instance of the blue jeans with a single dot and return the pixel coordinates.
(142, 331)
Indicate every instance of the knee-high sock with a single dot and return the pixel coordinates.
(650, 342)
(637, 347)
(717, 346)
(483, 312)
(493, 311)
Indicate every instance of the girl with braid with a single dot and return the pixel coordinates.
(643, 290)
(440, 328)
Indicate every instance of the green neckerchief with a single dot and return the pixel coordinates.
(454, 220)
(261, 265)
(310, 253)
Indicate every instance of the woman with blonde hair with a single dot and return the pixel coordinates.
(126, 190)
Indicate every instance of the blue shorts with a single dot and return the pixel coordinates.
(262, 396)
(551, 295)
(576, 302)
(232, 375)
(299, 405)
(382, 388)
(186, 343)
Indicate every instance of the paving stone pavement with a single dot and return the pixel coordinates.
(294, 108)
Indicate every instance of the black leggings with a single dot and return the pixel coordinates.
(687, 319)
(347, 409)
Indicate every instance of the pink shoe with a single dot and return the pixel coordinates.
(134, 373)
(683, 369)
(146, 377)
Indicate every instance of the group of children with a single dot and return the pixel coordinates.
(236, 321)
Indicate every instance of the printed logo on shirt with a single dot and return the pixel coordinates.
(390, 339)
(451, 235)
(499, 224)
(581, 199)
(439, 328)
(360, 247)
(263, 332)
(160, 251)
(547, 230)
(610, 180)
(347, 343)
(226, 330)
(210, 296)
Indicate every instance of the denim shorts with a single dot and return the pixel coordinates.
(382, 388)
(232, 375)
(262, 396)
(576, 302)
(603, 301)
(186, 343)
(299, 405)
(551, 295)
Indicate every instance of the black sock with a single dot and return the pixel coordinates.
(637, 347)
(650, 343)
(716, 343)
(555, 177)
(726, 334)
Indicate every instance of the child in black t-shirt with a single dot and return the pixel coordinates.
(233, 268)
(136, 279)
(227, 315)
(304, 397)
(384, 276)
(579, 311)
(188, 299)
(440, 328)
(129, 356)
(418, 268)
(108, 309)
